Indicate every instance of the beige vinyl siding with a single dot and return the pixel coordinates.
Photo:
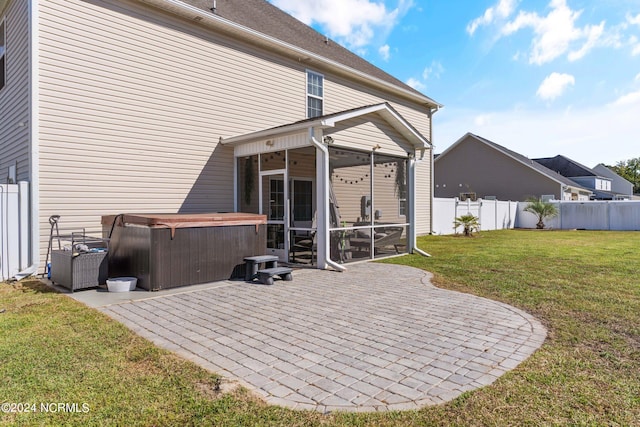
(14, 97)
(423, 196)
(351, 184)
(133, 102)
(366, 132)
(472, 166)
(340, 95)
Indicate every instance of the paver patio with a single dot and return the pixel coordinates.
(376, 337)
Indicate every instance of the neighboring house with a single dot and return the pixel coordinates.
(476, 167)
(167, 106)
(581, 175)
(619, 186)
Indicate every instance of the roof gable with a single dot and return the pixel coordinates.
(527, 162)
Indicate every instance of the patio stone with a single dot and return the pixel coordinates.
(377, 337)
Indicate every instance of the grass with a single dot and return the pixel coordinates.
(584, 286)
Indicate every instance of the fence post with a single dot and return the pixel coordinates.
(560, 213)
(25, 231)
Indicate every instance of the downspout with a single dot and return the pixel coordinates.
(325, 207)
(432, 173)
(416, 249)
(34, 149)
(412, 198)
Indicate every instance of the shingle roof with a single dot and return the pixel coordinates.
(529, 162)
(265, 18)
(565, 166)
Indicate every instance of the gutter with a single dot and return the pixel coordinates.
(325, 173)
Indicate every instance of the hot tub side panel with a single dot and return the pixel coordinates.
(129, 253)
(194, 255)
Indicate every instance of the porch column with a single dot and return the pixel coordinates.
(322, 198)
(411, 201)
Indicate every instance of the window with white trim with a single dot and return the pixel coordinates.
(315, 94)
(3, 51)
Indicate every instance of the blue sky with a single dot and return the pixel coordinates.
(539, 77)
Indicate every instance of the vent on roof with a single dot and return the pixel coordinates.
(214, 9)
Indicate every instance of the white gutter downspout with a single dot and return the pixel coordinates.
(413, 234)
(34, 157)
(322, 198)
(412, 178)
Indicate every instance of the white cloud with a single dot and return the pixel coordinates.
(355, 22)
(416, 84)
(635, 45)
(555, 85)
(384, 52)
(555, 33)
(502, 10)
(632, 98)
(634, 20)
(594, 34)
(434, 70)
(483, 119)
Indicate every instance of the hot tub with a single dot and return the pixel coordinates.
(170, 250)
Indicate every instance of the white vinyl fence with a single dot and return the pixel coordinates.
(492, 214)
(14, 229)
(616, 215)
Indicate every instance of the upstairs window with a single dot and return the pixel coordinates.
(3, 51)
(315, 94)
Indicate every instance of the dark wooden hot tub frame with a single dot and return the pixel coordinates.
(167, 251)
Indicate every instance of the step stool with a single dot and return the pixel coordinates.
(254, 262)
(266, 275)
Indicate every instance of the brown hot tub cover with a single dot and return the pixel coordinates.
(173, 221)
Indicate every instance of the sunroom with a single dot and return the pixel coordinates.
(335, 189)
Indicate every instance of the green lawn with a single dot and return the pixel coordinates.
(584, 286)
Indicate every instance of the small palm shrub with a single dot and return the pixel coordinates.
(469, 224)
(542, 209)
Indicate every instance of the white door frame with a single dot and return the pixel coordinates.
(283, 254)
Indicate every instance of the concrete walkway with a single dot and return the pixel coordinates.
(376, 337)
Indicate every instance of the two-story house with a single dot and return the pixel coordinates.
(111, 106)
(619, 186)
(600, 183)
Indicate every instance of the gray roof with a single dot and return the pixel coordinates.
(531, 163)
(265, 18)
(566, 167)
